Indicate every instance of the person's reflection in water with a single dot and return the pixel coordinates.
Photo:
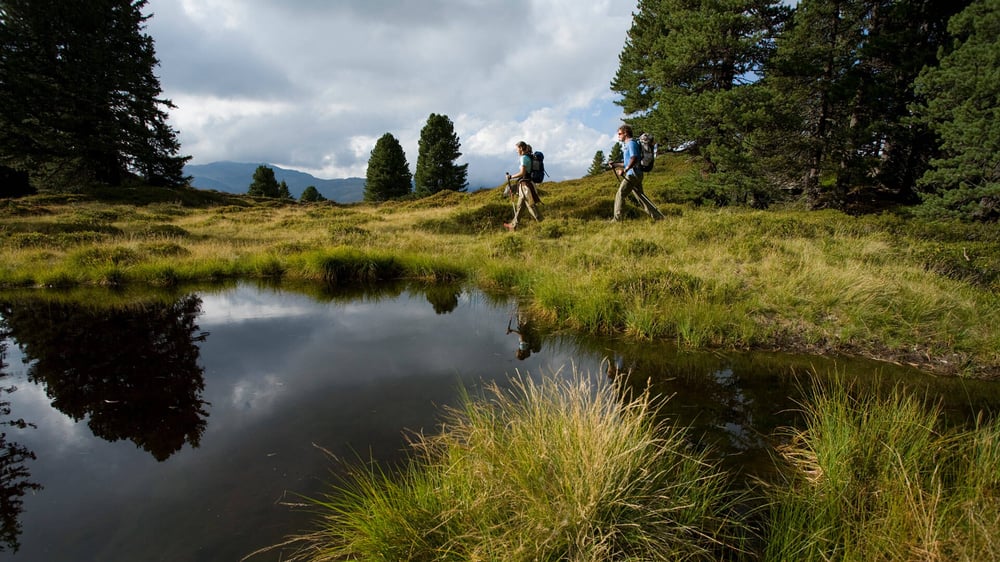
(616, 366)
(628, 376)
(528, 340)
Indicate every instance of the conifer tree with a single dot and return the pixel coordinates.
(683, 66)
(311, 195)
(388, 175)
(598, 166)
(79, 100)
(283, 191)
(264, 183)
(962, 95)
(843, 76)
(438, 149)
(617, 154)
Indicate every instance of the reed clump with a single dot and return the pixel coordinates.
(565, 468)
(576, 468)
(885, 478)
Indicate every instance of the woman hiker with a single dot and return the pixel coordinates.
(526, 194)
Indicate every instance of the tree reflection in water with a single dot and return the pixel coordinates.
(132, 371)
(728, 404)
(733, 404)
(14, 474)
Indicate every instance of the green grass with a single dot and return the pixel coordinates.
(566, 468)
(873, 478)
(883, 286)
(578, 468)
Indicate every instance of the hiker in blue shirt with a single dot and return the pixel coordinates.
(526, 194)
(631, 176)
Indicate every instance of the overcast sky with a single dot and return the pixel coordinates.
(312, 84)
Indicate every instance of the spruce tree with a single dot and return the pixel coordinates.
(438, 149)
(598, 166)
(617, 154)
(683, 66)
(311, 195)
(962, 95)
(842, 82)
(79, 100)
(283, 192)
(264, 183)
(388, 175)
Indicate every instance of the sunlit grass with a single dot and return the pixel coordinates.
(565, 468)
(783, 279)
(874, 478)
(575, 468)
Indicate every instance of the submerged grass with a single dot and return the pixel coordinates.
(566, 468)
(820, 282)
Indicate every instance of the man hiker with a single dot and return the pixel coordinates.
(631, 176)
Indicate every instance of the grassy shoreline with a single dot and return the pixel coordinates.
(576, 468)
(825, 282)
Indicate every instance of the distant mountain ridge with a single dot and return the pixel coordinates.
(235, 177)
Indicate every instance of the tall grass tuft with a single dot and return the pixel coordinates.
(568, 468)
(884, 478)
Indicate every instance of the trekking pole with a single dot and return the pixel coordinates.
(510, 193)
(614, 171)
(639, 196)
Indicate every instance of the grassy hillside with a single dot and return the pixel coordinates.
(876, 285)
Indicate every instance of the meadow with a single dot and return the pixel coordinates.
(882, 285)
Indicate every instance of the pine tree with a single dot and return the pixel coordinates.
(79, 100)
(438, 149)
(842, 78)
(283, 192)
(617, 153)
(264, 183)
(962, 95)
(311, 195)
(598, 166)
(388, 175)
(683, 66)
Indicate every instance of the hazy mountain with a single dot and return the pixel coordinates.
(235, 177)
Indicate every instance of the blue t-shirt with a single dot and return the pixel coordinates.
(526, 162)
(631, 148)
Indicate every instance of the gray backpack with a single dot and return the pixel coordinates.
(647, 148)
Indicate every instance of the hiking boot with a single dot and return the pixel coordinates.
(509, 226)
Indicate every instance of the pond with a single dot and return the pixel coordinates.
(188, 427)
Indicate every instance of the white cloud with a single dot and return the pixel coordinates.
(311, 85)
(212, 13)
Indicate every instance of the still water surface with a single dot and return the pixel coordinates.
(182, 430)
